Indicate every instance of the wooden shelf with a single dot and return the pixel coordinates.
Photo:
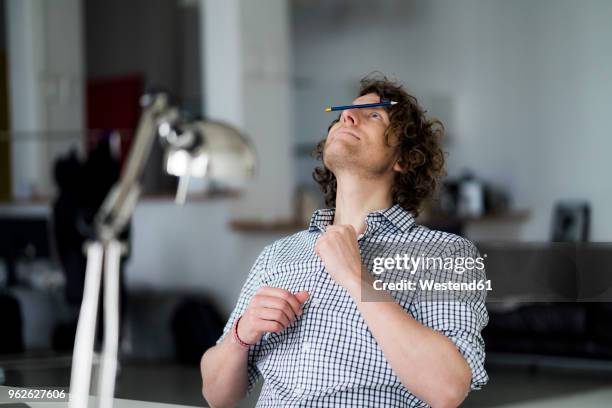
(290, 226)
(521, 215)
(170, 196)
(280, 226)
(161, 196)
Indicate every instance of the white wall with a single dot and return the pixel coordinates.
(523, 87)
(191, 248)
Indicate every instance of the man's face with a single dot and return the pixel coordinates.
(357, 141)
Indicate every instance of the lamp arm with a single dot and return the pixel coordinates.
(119, 204)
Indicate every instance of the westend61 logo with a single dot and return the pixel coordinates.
(411, 264)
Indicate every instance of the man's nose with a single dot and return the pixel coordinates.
(350, 117)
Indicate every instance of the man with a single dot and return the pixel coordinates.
(309, 319)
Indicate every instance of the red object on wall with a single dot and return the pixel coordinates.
(113, 104)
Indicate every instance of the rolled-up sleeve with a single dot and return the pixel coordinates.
(250, 287)
(460, 315)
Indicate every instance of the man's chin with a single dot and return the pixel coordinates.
(341, 147)
(343, 161)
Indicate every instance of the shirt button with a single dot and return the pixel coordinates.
(316, 301)
(298, 390)
(306, 347)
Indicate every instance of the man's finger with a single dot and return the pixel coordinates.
(273, 302)
(269, 326)
(302, 296)
(274, 315)
(283, 294)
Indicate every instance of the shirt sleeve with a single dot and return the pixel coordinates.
(251, 285)
(459, 314)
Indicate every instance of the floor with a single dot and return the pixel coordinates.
(164, 382)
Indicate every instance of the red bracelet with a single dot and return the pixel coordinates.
(236, 338)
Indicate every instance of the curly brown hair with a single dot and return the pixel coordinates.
(419, 147)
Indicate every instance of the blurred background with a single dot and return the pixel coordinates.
(522, 87)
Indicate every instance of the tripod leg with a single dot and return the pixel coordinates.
(111, 324)
(80, 376)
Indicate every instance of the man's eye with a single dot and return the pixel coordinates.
(375, 115)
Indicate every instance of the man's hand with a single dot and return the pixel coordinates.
(270, 310)
(339, 251)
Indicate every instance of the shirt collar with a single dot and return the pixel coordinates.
(400, 218)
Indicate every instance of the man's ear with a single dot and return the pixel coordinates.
(398, 167)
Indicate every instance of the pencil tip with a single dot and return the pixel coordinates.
(393, 102)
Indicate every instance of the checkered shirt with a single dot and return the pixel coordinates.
(328, 357)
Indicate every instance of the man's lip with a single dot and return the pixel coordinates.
(348, 132)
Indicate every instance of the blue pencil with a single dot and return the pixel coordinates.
(365, 105)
